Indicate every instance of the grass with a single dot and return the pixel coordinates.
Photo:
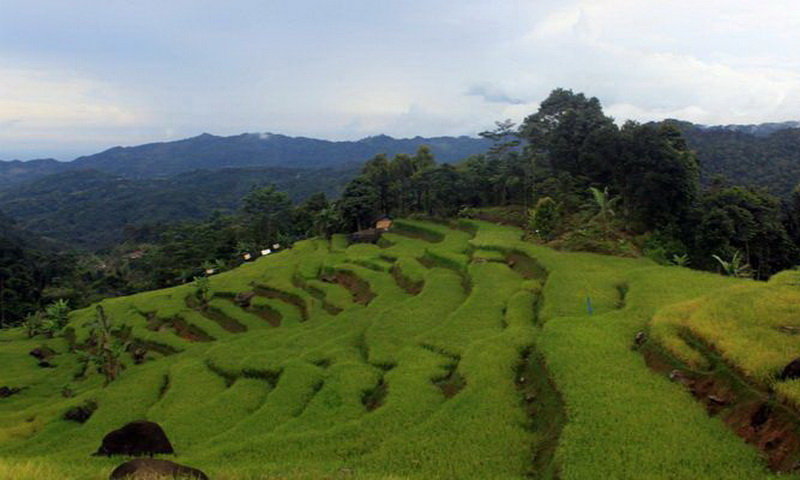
(350, 385)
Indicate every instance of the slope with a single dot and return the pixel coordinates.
(431, 355)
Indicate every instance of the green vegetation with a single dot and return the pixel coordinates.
(449, 351)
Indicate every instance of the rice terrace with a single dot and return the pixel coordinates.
(447, 350)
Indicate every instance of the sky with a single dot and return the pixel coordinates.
(79, 76)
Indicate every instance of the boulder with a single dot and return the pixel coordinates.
(790, 371)
(135, 439)
(152, 469)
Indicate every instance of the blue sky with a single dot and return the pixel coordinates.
(80, 76)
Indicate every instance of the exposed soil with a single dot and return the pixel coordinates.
(406, 283)
(227, 323)
(160, 348)
(452, 383)
(545, 411)
(286, 297)
(181, 327)
(751, 411)
(320, 295)
(373, 398)
(272, 316)
(359, 289)
(525, 266)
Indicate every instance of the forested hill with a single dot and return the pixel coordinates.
(767, 155)
(89, 209)
(246, 150)
(266, 150)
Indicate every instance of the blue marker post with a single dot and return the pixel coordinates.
(589, 307)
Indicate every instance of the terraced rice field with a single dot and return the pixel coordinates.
(443, 352)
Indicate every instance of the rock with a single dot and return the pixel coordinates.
(789, 329)
(6, 392)
(530, 397)
(790, 371)
(152, 469)
(639, 339)
(243, 298)
(136, 438)
(81, 413)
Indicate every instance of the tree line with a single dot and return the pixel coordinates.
(568, 173)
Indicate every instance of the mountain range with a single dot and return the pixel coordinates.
(88, 202)
(248, 150)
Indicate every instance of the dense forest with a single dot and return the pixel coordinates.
(568, 174)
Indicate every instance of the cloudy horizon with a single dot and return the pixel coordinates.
(79, 77)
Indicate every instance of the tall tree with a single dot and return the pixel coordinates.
(266, 209)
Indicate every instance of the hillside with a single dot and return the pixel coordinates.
(240, 151)
(768, 157)
(443, 352)
(90, 209)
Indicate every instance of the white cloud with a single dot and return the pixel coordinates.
(37, 99)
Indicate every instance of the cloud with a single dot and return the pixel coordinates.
(492, 94)
(87, 79)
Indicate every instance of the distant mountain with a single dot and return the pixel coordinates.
(240, 151)
(759, 130)
(766, 155)
(15, 172)
(90, 209)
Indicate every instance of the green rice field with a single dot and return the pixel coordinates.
(446, 351)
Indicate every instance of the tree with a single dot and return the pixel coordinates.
(377, 172)
(605, 205)
(656, 175)
(544, 218)
(571, 131)
(56, 316)
(105, 347)
(359, 204)
(746, 220)
(267, 211)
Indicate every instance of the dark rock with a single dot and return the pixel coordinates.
(136, 438)
(243, 298)
(46, 364)
(153, 469)
(6, 392)
(790, 371)
(81, 413)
